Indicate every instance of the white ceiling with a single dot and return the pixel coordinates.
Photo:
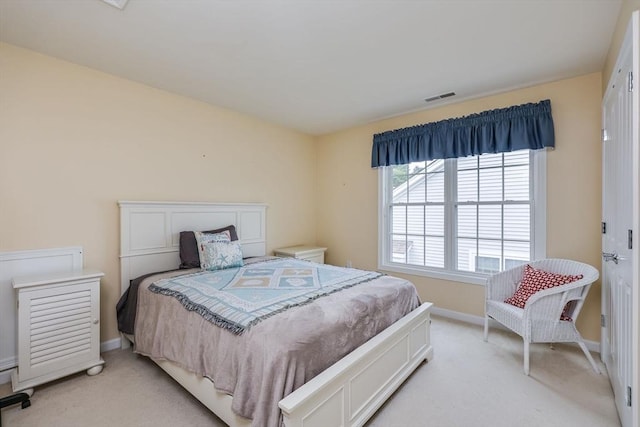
(321, 66)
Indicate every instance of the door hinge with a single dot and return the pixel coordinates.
(603, 321)
(628, 396)
(604, 228)
(630, 239)
(603, 135)
(630, 81)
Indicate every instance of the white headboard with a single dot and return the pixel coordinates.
(150, 232)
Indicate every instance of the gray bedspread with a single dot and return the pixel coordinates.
(276, 356)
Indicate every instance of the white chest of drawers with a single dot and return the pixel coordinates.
(58, 326)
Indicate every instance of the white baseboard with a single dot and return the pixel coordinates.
(8, 365)
(109, 345)
(456, 315)
(478, 320)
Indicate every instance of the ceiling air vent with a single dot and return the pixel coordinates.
(442, 96)
(120, 4)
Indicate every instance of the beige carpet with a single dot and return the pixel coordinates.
(469, 383)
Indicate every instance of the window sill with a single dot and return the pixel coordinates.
(463, 277)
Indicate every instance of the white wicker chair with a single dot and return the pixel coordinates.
(539, 321)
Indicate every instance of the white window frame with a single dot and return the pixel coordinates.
(538, 182)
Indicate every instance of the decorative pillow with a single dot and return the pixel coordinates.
(204, 238)
(537, 280)
(220, 255)
(189, 255)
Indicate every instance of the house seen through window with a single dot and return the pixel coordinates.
(472, 216)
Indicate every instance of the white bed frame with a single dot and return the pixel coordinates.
(347, 393)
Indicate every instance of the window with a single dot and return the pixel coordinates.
(463, 219)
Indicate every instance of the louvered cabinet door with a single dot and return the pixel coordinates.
(58, 327)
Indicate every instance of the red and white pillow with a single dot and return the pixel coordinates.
(537, 280)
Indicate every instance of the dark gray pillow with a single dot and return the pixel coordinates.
(189, 256)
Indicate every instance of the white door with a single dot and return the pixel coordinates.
(620, 239)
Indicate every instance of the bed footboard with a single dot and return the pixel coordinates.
(350, 391)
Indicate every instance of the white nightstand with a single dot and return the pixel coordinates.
(58, 326)
(310, 253)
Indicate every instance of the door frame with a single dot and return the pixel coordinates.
(635, 331)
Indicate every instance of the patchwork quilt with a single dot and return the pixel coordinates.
(237, 298)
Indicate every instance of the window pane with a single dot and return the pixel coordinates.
(466, 254)
(487, 160)
(399, 247)
(468, 186)
(416, 167)
(520, 157)
(516, 251)
(435, 252)
(435, 220)
(487, 264)
(415, 220)
(415, 252)
(399, 219)
(416, 183)
(467, 221)
(470, 162)
(516, 183)
(435, 187)
(491, 184)
(399, 177)
(490, 221)
(490, 248)
(416, 189)
(516, 222)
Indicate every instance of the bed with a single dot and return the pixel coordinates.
(347, 393)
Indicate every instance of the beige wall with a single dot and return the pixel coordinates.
(74, 141)
(627, 7)
(348, 190)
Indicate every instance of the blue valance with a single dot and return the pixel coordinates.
(527, 126)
